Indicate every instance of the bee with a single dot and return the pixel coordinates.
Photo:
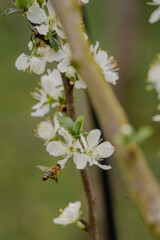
(51, 172)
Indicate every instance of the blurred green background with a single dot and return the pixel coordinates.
(27, 205)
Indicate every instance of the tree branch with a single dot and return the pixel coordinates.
(92, 227)
(111, 116)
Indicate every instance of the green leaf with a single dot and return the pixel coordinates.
(78, 125)
(9, 11)
(54, 44)
(65, 122)
(143, 134)
(24, 4)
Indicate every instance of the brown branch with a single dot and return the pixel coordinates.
(92, 227)
(91, 202)
(111, 116)
(68, 89)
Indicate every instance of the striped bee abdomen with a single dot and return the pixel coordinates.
(47, 175)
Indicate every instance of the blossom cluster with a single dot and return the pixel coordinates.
(63, 138)
(74, 146)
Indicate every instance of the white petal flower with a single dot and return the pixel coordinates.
(48, 95)
(69, 215)
(67, 148)
(94, 151)
(156, 118)
(52, 84)
(107, 64)
(35, 64)
(37, 15)
(22, 62)
(46, 130)
(49, 54)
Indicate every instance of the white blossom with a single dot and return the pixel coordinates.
(46, 130)
(87, 152)
(48, 94)
(37, 15)
(155, 16)
(93, 151)
(36, 62)
(49, 54)
(65, 66)
(107, 64)
(67, 149)
(33, 64)
(69, 215)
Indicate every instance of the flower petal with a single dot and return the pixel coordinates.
(22, 62)
(93, 138)
(37, 65)
(45, 130)
(65, 134)
(81, 159)
(62, 66)
(104, 149)
(69, 215)
(41, 112)
(36, 15)
(104, 167)
(43, 29)
(63, 162)
(56, 148)
(155, 16)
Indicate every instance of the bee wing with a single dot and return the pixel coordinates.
(43, 168)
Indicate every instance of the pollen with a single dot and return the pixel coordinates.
(61, 210)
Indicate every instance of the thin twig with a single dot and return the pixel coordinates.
(92, 227)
